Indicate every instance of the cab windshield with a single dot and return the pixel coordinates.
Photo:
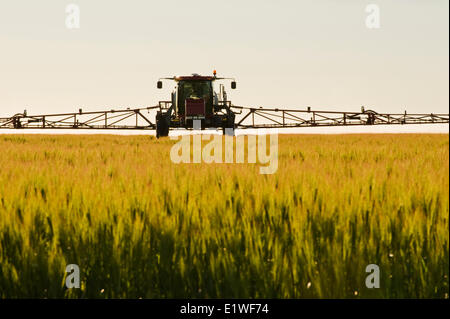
(195, 89)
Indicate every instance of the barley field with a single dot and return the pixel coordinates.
(140, 226)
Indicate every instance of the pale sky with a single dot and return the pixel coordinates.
(290, 54)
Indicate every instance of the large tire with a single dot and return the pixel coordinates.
(229, 125)
(162, 126)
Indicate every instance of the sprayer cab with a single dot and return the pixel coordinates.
(195, 97)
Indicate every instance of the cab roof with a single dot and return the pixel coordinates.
(194, 77)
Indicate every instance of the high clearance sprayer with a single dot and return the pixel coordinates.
(204, 98)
